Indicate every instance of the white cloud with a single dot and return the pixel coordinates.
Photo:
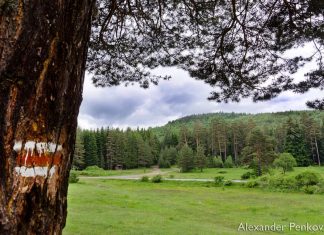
(133, 106)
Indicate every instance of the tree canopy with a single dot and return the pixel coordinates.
(241, 48)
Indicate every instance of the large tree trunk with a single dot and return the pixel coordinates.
(43, 46)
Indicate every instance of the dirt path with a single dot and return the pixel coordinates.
(154, 172)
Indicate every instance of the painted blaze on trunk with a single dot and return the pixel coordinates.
(37, 159)
(43, 46)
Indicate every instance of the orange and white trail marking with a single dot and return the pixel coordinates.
(34, 159)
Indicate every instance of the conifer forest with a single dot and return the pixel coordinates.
(209, 140)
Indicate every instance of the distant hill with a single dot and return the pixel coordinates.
(262, 119)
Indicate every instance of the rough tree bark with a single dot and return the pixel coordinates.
(43, 47)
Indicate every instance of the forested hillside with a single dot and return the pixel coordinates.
(261, 119)
(208, 140)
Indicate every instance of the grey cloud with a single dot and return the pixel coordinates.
(178, 98)
(181, 96)
(111, 108)
(281, 99)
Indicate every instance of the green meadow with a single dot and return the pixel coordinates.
(102, 206)
(208, 173)
(96, 171)
(232, 173)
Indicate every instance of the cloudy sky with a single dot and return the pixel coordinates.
(181, 96)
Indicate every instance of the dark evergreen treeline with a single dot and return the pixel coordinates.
(115, 148)
(224, 140)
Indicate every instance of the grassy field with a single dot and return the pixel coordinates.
(319, 170)
(98, 206)
(230, 173)
(96, 171)
(208, 173)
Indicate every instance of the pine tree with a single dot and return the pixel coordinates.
(199, 134)
(99, 144)
(169, 156)
(43, 51)
(170, 139)
(131, 150)
(186, 159)
(219, 137)
(280, 133)
(120, 144)
(238, 137)
(259, 152)
(145, 157)
(90, 147)
(184, 136)
(295, 143)
(79, 151)
(103, 143)
(155, 147)
(321, 142)
(163, 159)
(172, 155)
(200, 158)
(110, 150)
(311, 134)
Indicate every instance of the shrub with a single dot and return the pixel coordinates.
(252, 184)
(93, 171)
(219, 180)
(264, 178)
(286, 161)
(228, 162)
(307, 178)
(93, 168)
(308, 182)
(145, 179)
(156, 179)
(311, 189)
(217, 162)
(248, 175)
(283, 183)
(320, 189)
(228, 183)
(272, 171)
(263, 181)
(74, 178)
